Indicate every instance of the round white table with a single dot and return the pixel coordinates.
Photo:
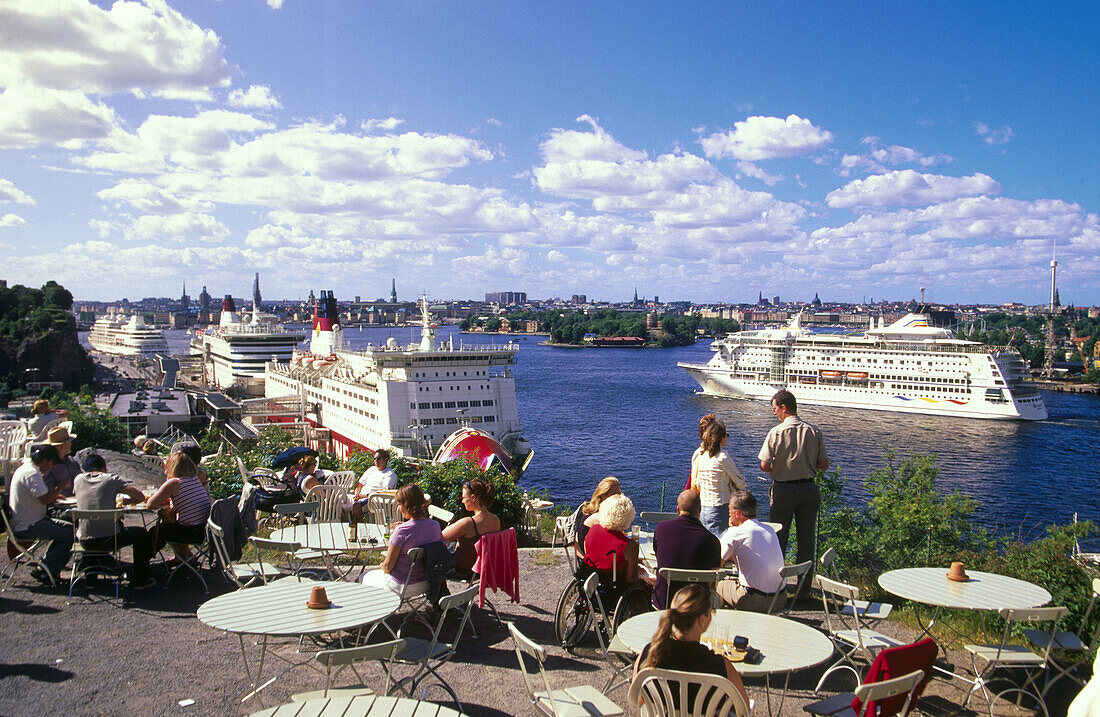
(785, 646)
(332, 536)
(279, 609)
(359, 706)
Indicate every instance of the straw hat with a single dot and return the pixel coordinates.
(59, 436)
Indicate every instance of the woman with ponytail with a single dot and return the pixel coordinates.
(714, 475)
(676, 645)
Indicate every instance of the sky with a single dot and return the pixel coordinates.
(697, 151)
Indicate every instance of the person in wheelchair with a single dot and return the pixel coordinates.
(588, 514)
(609, 551)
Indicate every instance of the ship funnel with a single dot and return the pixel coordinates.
(326, 328)
(229, 311)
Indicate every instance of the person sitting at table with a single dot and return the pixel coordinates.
(377, 477)
(676, 646)
(477, 498)
(67, 469)
(43, 417)
(683, 542)
(588, 514)
(607, 549)
(416, 530)
(307, 474)
(193, 451)
(28, 501)
(186, 502)
(96, 489)
(755, 548)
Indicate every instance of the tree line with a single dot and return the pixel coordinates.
(571, 326)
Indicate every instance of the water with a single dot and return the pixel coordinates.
(633, 414)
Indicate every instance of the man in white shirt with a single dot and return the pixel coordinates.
(754, 547)
(28, 501)
(377, 477)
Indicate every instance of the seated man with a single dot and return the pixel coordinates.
(28, 501)
(377, 477)
(683, 542)
(96, 490)
(755, 548)
(67, 469)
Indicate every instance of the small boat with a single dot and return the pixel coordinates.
(857, 375)
(830, 374)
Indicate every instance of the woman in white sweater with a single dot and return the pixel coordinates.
(714, 475)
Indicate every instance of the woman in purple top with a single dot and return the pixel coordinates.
(418, 529)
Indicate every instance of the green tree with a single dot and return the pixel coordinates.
(492, 324)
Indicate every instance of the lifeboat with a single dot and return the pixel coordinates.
(476, 446)
(830, 374)
(857, 375)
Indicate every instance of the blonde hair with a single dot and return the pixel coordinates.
(606, 488)
(688, 604)
(307, 462)
(179, 465)
(616, 512)
(40, 407)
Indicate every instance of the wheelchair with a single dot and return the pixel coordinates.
(575, 613)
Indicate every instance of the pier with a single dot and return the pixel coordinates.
(1067, 387)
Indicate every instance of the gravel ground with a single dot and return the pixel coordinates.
(146, 652)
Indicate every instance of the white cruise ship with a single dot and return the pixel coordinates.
(409, 397)
(236, 351)
(909, 366)
(127, 336)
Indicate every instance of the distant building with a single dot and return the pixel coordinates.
(204, 300)
(506, 298)
(256, 298)
(817, 300)
(393, 291)
(775, 301)
(578, 299)
(185, 300)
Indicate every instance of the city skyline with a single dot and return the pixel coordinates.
(709, 152)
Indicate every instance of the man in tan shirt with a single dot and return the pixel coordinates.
(792, 453)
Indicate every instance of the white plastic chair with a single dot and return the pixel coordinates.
(331, 501)
(665, 693)
(243, 575)
(13, 438)
(852, 640)
(382, 508)
(841, 705)
(580, 700)
(872, 613)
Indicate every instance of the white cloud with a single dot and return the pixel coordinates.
(148, 198)
(31, 116)
(994, 135)
(494, 122)
(880, 157)
(909, 187)
(388, 124)
(555, 256)
(184, 227)
(76, 45)
(12, 220)
(9, 193)
(751, 170)
(757, 138)
(255, 97)
(595, 146)
(275, 4)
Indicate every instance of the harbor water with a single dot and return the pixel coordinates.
(633, 414)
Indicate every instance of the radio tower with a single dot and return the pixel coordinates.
(1048, 359)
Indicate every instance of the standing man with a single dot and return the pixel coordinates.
(29, 498)
(683, 542)
(792, 453)
(755, 548)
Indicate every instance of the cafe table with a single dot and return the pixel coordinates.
(279, 609)
(785, 646)
(332, 537)
(359, 706)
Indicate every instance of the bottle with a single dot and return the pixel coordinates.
(353, 531)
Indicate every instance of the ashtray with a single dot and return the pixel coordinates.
(318, 600)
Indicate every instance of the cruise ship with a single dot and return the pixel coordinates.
(235, 353)
(408, 397)
(127, 336)
(909, 366)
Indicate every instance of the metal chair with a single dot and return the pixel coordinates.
(441, 514)
(616, 654)
(561, 527)
(288, 550)
(301, 512)
(653, 517)
(852, 640)
(799, 571)
(192, 562)
(664, 693)
(1014, 657)
(683, 575)
(429, 655)
(878, 696)
(841, 705)
(578, 700)
(20, 552)
(348, 658)
(331, 502)
(91, 562)
(242, 574)
(872, 613)
(1068, 650)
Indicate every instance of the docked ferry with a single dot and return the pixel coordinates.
(127, 336)
(408, 397)
(235, 353)
(909, 366)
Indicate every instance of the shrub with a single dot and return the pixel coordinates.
(444, 483)
(94, 427)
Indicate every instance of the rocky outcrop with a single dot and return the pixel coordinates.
(56, 354)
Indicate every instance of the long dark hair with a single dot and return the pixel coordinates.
(687, 605)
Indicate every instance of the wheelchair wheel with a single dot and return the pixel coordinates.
(572, 617)
(635, 601)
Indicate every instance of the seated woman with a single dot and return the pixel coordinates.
(187, 504)
(477, 498)
(417, 529)
(307, 474)
(588, 514)
(607, 549)
(676, 645)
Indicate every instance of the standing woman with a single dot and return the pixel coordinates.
(187, 501)
(714, 475)
(477, 498)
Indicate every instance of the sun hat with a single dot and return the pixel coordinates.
(59, 436)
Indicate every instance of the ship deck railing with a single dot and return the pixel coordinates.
(929, 346)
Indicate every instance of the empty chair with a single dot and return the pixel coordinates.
(676, 578)
(241, 574)
(851, 638)
(651, 518)
(616, 654)
(799, 571)
(871, 613)
(288, 550)
(576, 701)
(382, 508)
(1068, 650)
(672, 693)
(880, 697)
(336, 661)
(331, 502)
(561, 527)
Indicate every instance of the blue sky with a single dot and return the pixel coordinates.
(696, 151)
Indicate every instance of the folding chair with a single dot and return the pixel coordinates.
(331, 502)
(651, 518)
(886, 689)
(664, 693)
(348, 658)
(192, 562)
(497, 566)
(852, 640)
(578, 701)
(1014, 657)
(441, 514)
(429, 655)
(1068, 650)
(561, 527)
(872, 613)
(242, 574)
(679, 576)
(288, 550)
(302, 512)
(799, 571)
(88, 562)
(20, 552)
(616, 654)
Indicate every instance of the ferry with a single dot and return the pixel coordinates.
(909, 366)
(410, 398)
(236, 351)
(127, 336)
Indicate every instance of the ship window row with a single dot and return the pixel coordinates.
(452, 388)
(426, 405)
(454, 421)
(418, 374)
